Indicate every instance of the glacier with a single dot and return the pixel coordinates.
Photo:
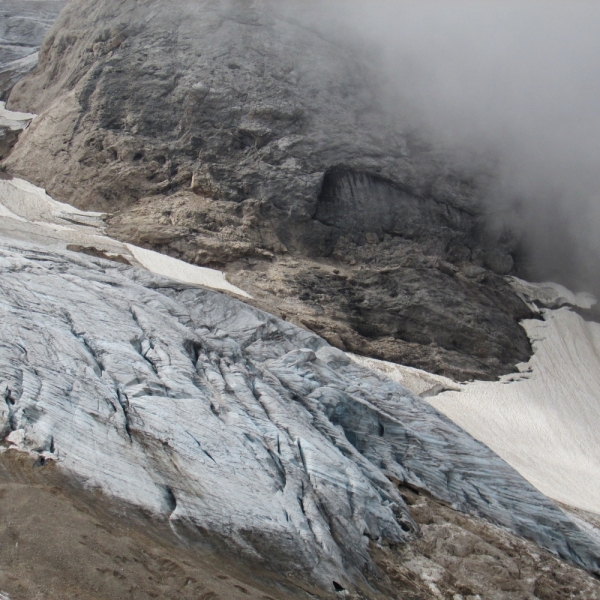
(243, 430)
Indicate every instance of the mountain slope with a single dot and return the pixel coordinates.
(231, 135)
(163, 410)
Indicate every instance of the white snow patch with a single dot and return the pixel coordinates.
(14, 120)
(29, 214)
(168, 266)
(419, 382)
(545, 420)
(35, 205)
(551, 295)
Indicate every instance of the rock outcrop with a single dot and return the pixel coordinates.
(243, 430)
(232, 135)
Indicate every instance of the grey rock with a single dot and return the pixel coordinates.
(464, 557)
(227, 132)
(248, 433)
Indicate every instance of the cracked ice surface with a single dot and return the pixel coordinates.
(237, 426)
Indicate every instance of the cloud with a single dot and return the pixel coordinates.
(515, 81)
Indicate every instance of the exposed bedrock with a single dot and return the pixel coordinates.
(246, 432)
(227, 133)
(356, 204)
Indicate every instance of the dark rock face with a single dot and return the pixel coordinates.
(229, 134)
(358, 204)
(23, 25)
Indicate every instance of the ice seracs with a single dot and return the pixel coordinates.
(23, 25)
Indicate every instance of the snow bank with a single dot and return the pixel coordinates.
(182, 271)
(14, 120)
(551, 295)
(35, 205)
(29, 214)
(545, 420)
(419, 382)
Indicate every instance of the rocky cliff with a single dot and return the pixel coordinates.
(233, 135)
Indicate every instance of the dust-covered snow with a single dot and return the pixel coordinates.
(544, 421)
(419, 382)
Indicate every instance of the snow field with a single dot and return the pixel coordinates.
(544, 421)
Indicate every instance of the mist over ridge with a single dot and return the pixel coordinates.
(515, 85)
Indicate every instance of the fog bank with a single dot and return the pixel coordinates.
(515, 82)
